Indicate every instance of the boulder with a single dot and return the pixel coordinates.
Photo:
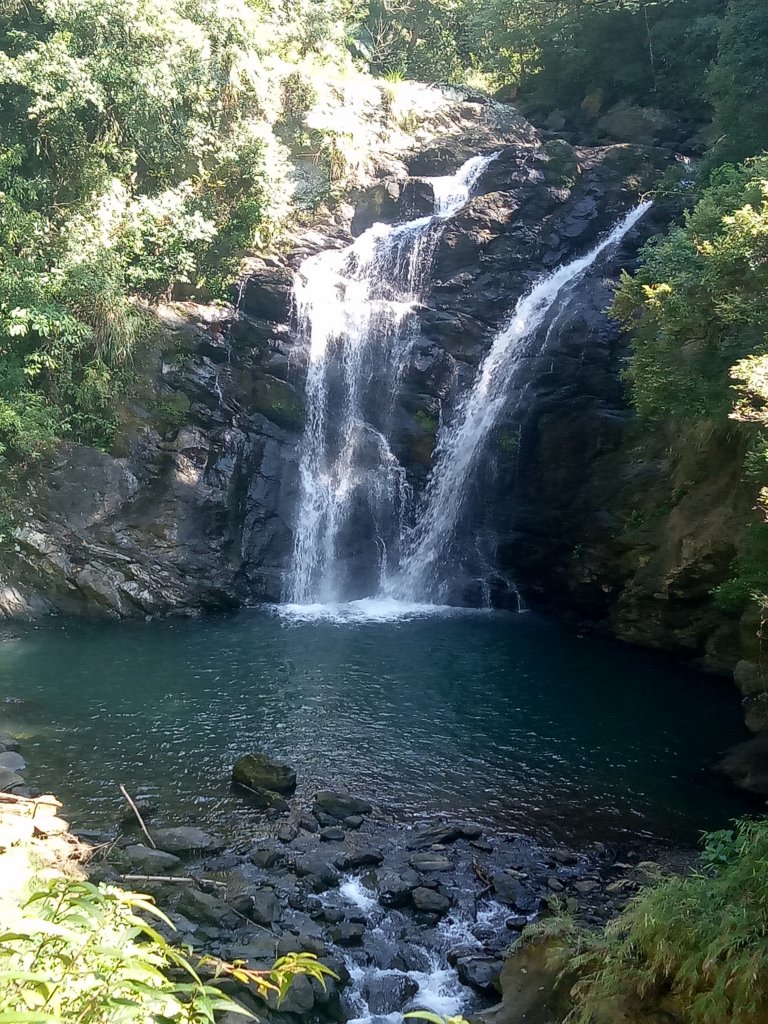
(147, 861)
(746, 765)
(361, 857)
(431, 862)
(10, 781)
(8, 742)
(287, 832)
(513, 893)
(12, 761)
(388, 993)
(394, 891)
(187, 840)
(339, 805)
(348, 933)
(201, 906)
(258, 771)
(265, 907)
(317, 868)
(332, 834)
(481, 973)
(264, 856)
(430, 901)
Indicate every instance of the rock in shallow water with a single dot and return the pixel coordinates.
(388, 993)
(187, 840)
(430, 901)
(12, 760)
(151, 862)
(258, 771)
(339, 805)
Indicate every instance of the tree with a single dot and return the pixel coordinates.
(739, 81)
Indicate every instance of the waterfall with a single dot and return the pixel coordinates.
(354, 311)
(460, 444)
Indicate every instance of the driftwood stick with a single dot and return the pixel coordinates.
(139, 818)
(182, 879)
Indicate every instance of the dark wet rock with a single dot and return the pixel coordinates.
(10, 782)
(308, 823)
(563, 857)
(348, 933)
(430, 901)
(430, 862)
(147, 861)
(12, 761)
(388, 993)
(333, 915)
(287, 832)
(394, 890)
(265, 907)
(258, 949)
(339, 805)
(555, 884)
(318, 869)
(9, 742)
(146, 807)
(202, 906)
(360, 857)
(586, 886)
(747, 765)
(265, 856)
(516, 922)
(264, 800)
(300, 997)
(332, 834)
(442, 835)
(479, 973)
(258, 771)
(353, 821)
(510, 890)
(187, 840)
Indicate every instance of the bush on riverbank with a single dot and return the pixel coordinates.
(698, 943)
(76, 952)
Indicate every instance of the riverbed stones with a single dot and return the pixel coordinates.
(339, 805)
(264, 856)
(348, 933)
(12, 761)
(287, 832)
(332, 834)
(388, 993)
(360, 857)
(430, 862)
(187, 840)
(260, 772)
(203, 906)
(8, 742)
(265, 907)
(430, 901)
(147, 861)
(480, 973)
(317, 869)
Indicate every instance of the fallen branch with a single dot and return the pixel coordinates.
(139, 818)
(186, 879)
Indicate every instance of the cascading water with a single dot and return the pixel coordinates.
(460, 444)
(354, 311)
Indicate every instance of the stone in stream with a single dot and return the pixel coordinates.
(339, 805)
(394, 891)
(258, 771)
(362, 857)
(353, 821)
(147, 861)
(316, 867)
(348, 933)
(308, 823)
(430, 862)
(10, 782)
(187, 840)
(430, 901)
(511, 891)
(287, 832)
(332, 834)
(265, 907)
(442, 835)
(264, 856)
(13, 761)
(388, 993)
(201, 906)
(8, 742)
(481, 973)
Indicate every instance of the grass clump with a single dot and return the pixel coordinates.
(696, 945)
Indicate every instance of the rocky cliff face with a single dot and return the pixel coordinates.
(194, 509)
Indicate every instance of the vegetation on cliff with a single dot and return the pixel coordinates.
(695, 945)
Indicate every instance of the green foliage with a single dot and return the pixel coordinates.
(76, 952)
(700, 940)
(739, 81)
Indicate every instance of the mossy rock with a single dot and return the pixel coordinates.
(279, 402)
(259, 772)
(562, 163)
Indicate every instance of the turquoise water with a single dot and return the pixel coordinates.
(511, 720)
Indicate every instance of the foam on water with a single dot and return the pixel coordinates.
(367, 609)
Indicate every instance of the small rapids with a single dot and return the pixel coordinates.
(389, 967)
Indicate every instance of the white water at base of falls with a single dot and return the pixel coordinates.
(354, 310)
(358, 552)
(461, 443)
